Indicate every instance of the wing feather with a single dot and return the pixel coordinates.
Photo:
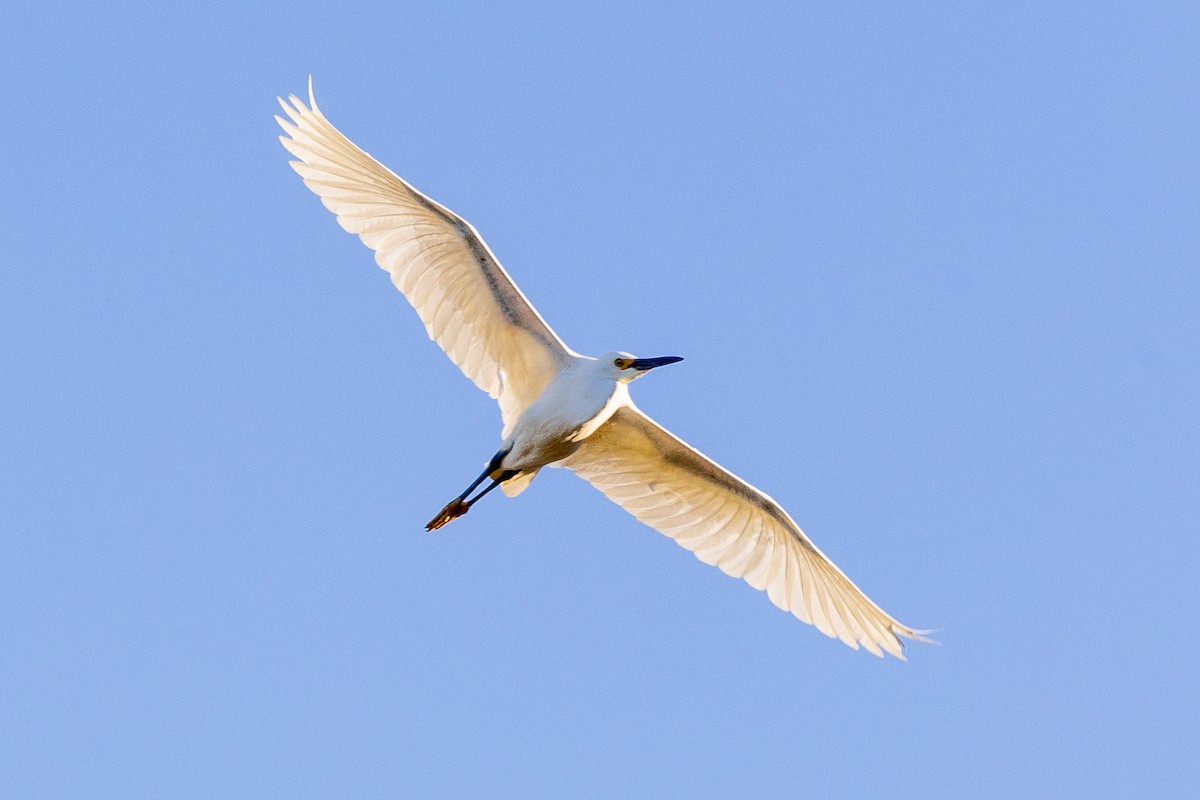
(727, 522)
(467, 302)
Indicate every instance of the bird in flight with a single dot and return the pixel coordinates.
(560, 408)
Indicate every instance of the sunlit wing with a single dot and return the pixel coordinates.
(725, 521)
(468, 303)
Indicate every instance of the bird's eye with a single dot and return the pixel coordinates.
(623, 363)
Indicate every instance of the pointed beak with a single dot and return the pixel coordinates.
(644, 364)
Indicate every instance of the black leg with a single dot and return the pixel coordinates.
(492, 466)
(460, 505)
(505, 475)
(476, 482)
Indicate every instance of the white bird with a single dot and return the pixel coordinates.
(560, 408)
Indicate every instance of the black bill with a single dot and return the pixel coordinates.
(644, 364)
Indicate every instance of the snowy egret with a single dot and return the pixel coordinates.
(560, 408)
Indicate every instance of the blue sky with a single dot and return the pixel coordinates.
(934, 271)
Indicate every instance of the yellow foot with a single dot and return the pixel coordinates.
(453, 510)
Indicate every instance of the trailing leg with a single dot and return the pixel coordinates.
(460, 505)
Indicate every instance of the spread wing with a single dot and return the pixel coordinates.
(725, 521)
(468, 303)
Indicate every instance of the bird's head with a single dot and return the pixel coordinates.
(625, 367)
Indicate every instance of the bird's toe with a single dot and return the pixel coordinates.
(453, 510)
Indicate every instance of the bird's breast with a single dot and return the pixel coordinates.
(558, 422)
(618, 397)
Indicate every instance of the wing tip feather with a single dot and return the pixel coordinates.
(918, 635)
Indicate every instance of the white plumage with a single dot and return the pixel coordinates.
(560, 408)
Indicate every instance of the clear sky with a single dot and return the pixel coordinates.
(935, 274)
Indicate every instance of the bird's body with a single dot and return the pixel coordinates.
(573, 405)
(560, 408)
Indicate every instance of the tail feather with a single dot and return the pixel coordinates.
(518, 483)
